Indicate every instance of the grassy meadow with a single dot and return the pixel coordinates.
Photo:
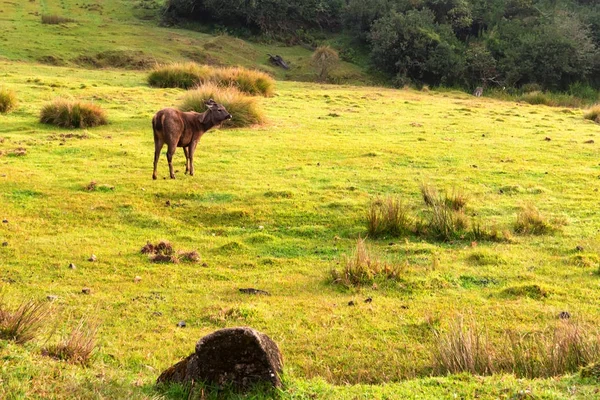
(276, 207)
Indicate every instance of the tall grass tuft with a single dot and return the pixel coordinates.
(462, 348)
(79, 347)
(189, 75)
(593, 114)
(180, 75)
(22, 324)
(8, 100)
(70, 114)
(363, 269)
(530, 221)
(389, 216)
(244, 109)
(55, 19)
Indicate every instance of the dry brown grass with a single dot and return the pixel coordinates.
(72, 114)
(22, 324)
(531, 222)
(79, 347)
(593, 113)
(55, 19)
(8, 100)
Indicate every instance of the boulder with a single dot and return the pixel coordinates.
(239, 357)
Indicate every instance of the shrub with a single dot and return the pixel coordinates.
(78, 348)
(592, 114)
(189, 75)
(244, 109)
(536, 97)
(69, 114)
(530, 221)
(245, 80)
(55, 19)
(8, 100)
(22, 324)
(389, 216)
(463, 348)
(362, 269)
(179, 75)
(325, 59)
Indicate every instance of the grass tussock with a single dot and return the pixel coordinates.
(535, 292)
(562, 349)
(188, 75)
(531, 222)
(51, 19)
(8, 100)
(72, 114)
(163, 252)
(593, 114)
(78, 348)
(244, 109)
(538, 97)
(21, 325)
(389, 216)
(361, 268)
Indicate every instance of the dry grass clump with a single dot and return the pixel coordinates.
(324, 59)
(72, 114)
(593, 114)
(244, 109)
(22, 324)
(8, 100)
(462, 348)
(163, 252)
(531, 222)
(190, 256)
(389, 216)
(179, 75)
(50, 19)
(189, 75)
(363, 269)
(78, 348)
(446, 218)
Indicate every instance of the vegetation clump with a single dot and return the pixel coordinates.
(362, 269)
(593, 114)
(389, 216)
(8, 100)
(21, 325)
(531, 222)
(244, 109)
(324, 59)
(183, 76)
(52, 19)
(72, 114)
(78, 348)
(535, 292)
(163, 252)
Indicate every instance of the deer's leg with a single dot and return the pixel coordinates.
(192, 151)
(170, 153)
(187, 159)
(157, 148)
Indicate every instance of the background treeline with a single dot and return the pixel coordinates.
(545, 44)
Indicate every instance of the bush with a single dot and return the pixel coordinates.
(55, 19)
(389, 216)
(324, 59)
(179, 75)
(593, 114)
(530, 221)
(78, 348)
(244, 109)
(8, 100)
(362, 269)
(22, 324)
(69, 114)
(189, 75)
(446, 218)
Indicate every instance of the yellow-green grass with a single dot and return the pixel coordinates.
(245, 110)
(121, 34)
(275, 207)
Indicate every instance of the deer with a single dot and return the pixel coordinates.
(478, 91)
(184, 129)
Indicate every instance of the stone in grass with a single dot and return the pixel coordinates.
(52, 297)
(254, 291)
(181, 324)
(72, 266)
(240, 357)
(86, 290)
(92, 258)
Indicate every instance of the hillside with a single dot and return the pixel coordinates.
(276, 207)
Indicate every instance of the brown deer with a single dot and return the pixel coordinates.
(184, 129)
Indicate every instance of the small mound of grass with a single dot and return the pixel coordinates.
(78, 348)
(22, 324)
(389, 216)
(70, 114)
(163, 252)
(532, 291)
(593, 114)
(362, 269)
(51, 19)
(530, 221)
(179, 75)
(8, 100)
(486, 258)
(246, 80)
(244, 109)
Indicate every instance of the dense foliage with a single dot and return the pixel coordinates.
(549, 44)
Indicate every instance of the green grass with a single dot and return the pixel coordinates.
(274, 207)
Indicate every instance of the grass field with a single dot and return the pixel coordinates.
(275, 207)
